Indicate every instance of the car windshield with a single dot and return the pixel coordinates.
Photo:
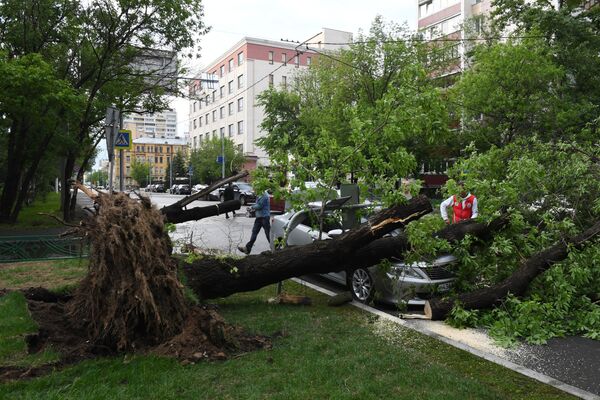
(244, 186)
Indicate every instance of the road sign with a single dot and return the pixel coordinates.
(123, 141)
(191, 170)
(111, 126)
(219, 159)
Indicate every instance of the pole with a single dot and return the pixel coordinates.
(121, 161)
(223, 155)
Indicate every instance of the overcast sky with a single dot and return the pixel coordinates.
(278, 19)
(293, 20)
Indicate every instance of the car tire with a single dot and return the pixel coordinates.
(361, 285)
(243, 200)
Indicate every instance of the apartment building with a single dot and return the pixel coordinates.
(162, 125)
(226, 107)
(157, 152)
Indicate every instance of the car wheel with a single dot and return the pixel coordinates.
(243, 200)
(361, 285)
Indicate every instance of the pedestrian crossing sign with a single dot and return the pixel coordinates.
(123, 140)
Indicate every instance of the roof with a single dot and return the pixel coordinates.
(151, 140)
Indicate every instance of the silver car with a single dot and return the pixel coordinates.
(396, 282)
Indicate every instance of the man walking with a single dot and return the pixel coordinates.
(263, 216)
(228, 195)
(464, 206)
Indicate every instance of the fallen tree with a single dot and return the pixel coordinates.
(217, 277)
(515, 284)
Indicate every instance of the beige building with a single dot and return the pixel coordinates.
(227, 107)
(157, 152)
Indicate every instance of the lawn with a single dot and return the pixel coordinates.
(318, 352)
(29, 218)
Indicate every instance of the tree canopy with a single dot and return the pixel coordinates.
(204, 160)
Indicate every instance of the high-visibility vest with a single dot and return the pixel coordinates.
(461, 213)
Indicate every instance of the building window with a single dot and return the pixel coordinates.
(199, 143)
(206, 119)
(195, 124)
(297, 61)
(194, 106)
(222, 112)
(240, 81)
(284, 81)
(214, 95)
(222, 132)
(161, 158)
(214, 115)
(240, 147)
(230, 108)
(240, 58)
(271, 54)
(240, 104)
(222, 71)
(284, 58)
(230, 128)
(214, 133)
(199, 123)
(240, 127)
(222, 91)
(207, 99)
(308, 60)
(231, 65)
(128, 158)
(271, 79)
(230, 87)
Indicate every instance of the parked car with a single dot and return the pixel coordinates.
(183, 189)
(159, 188)
(242, 191)
(198, 187)
(401, 282)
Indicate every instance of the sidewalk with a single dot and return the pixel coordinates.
(569, 364)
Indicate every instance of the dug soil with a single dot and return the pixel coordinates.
(205, 337)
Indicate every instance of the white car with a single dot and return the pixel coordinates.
(400, 283)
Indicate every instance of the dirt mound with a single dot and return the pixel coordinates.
(205, 336)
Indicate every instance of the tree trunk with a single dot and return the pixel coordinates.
(176, 216)
(517, 283)
(211, 278)
(66, 187)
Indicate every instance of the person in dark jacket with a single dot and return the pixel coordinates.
(228, 195)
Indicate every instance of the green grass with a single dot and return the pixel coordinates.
(29, 218)
(14, 324)
(51, 274)
(324, 353)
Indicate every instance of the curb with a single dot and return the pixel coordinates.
(583, 394)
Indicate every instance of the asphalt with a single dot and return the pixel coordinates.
(571, 364)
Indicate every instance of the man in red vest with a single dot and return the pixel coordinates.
(464, 206)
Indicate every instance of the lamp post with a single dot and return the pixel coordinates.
(223, 155)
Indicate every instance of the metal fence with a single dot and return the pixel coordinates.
(45, 247)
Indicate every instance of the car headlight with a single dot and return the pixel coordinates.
(399, 271)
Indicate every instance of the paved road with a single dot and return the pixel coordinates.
(214, 233)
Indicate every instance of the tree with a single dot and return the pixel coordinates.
(204, 160)
(102, 50)
(530, 127)
(98, 177)
(140, 172)
(31, 138)
(179, 168)
(352, 115)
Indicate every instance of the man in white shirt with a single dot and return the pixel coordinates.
(464, 206)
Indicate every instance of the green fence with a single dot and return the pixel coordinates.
(47, 247)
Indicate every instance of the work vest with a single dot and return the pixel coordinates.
(461, 213)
